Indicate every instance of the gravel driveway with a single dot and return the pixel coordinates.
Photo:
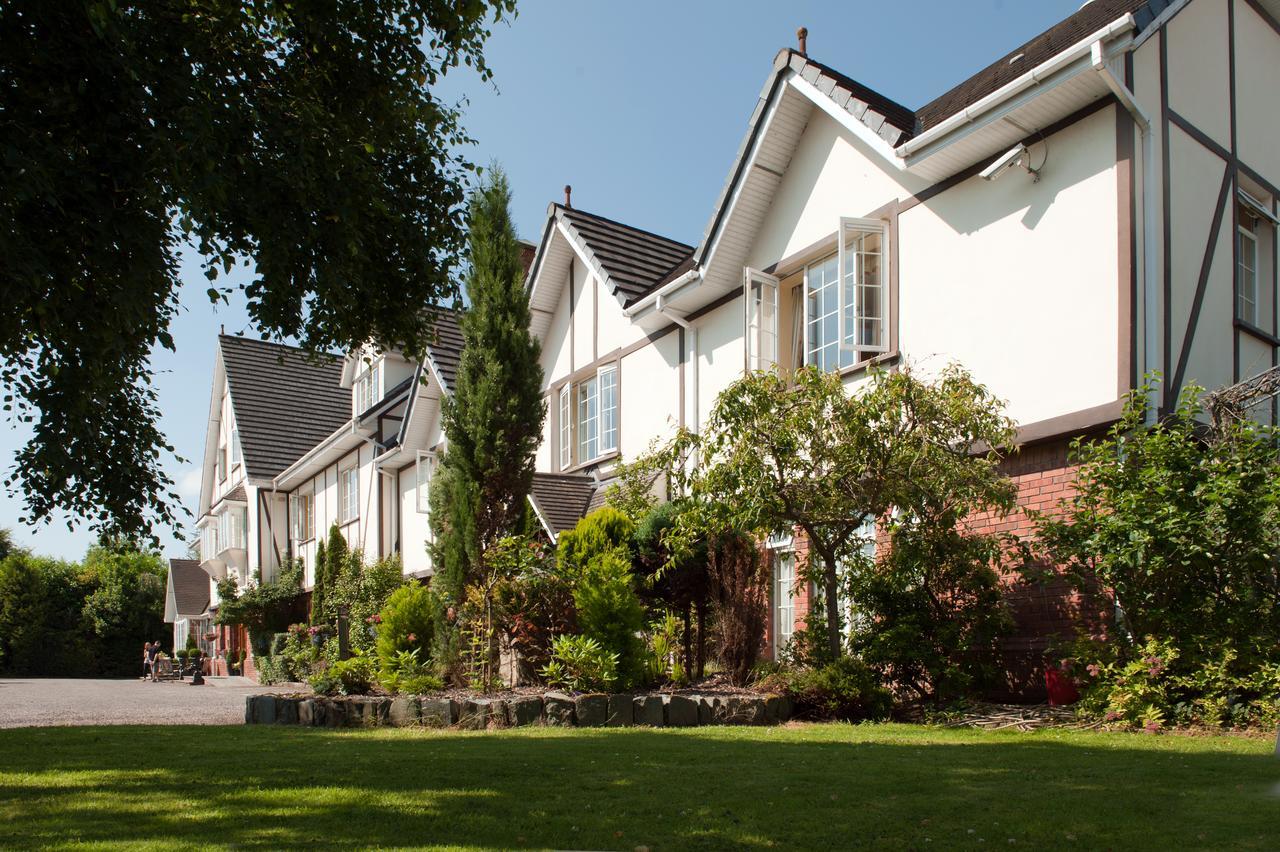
(42, 702)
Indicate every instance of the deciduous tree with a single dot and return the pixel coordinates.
(302, 139)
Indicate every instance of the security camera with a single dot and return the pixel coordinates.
(1010, 159)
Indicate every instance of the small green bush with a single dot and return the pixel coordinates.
(408, 623)
(610, 612)
(843, 689)
(603, 531)
(407, 674)
(581, 664)
(355, 676)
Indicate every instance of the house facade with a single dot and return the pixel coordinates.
(1098, 204)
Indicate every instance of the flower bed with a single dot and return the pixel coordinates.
(559, 709)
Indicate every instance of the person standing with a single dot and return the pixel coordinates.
(146, 661)
(153, 652)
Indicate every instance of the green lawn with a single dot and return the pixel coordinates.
(816, 786)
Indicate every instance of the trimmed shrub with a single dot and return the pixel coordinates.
(610, 612)
(604, 530)
(408, 623)
(740, 585)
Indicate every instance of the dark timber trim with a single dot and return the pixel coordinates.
(1206, 265)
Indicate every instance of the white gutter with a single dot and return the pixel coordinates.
(663, 292)
(1031, 78)
(664, 311)
(1149, 322)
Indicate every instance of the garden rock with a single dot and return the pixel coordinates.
(706, 709)
(648, 710)
(438, 712)
(499, 713)
(264, 709)
(405, 710)
(311, 711)
(286, 711)
(367, 712)
(560, 710)
(525, 711)
(591, 710)
(622, 713)
(474, 714)
(681, 711)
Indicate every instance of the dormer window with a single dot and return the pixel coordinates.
(367, 389)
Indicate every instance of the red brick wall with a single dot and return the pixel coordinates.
(1042, 612)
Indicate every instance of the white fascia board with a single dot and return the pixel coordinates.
(316, 455)
(945, 132)
(584, 254)
(841, 115)
(533, 504)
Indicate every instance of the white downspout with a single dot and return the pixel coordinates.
(664, 311)
(1149, 321)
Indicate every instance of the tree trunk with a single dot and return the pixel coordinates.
(701, 609)
(831, 587)
(687, 641)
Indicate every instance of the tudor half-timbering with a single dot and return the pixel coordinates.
(1097, 204)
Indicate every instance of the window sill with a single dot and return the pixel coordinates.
(883, 359)
(598, 460)
(348, 522)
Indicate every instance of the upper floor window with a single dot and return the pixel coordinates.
(222, 463)
(566, 428)
(235, 448)
(592, 430)
(231, 529)
(1247, 268)
(833, 313)
(425, 468)
(367, 389)
(348, 495)
(208, 541)
(302, 511)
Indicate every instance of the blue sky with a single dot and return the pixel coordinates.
(641, 107)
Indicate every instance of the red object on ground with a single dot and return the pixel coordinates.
(1061, 689)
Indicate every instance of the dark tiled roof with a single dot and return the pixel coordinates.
(190, 586)
(886, 117)
(561, 499)
(896, 123)
(445, 349)
(635, 260)
(1045, 46)
(237, 493)
(285, 403)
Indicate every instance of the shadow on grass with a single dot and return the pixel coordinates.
(814, 786)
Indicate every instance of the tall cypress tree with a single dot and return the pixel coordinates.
(493, 419)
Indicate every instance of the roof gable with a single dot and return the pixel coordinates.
(189, 586)
(633, 260)
(285, 401)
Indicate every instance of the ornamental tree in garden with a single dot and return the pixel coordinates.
(800, 451)
(493, 418)
(304, 139)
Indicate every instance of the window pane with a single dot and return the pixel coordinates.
(588, 421)
(822, 335)
(608, 410)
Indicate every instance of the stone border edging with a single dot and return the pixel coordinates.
(555, 709)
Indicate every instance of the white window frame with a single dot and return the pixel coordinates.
(588, 438)
(367, 388)
(424, 470)
(236, 457)
(784, 598)
(221, 463)
(607, 439)
(566, 426)
(760, 293)
(1250, 299)
(850, 268)
(348, 498)
(233, 532)
(302, 512)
